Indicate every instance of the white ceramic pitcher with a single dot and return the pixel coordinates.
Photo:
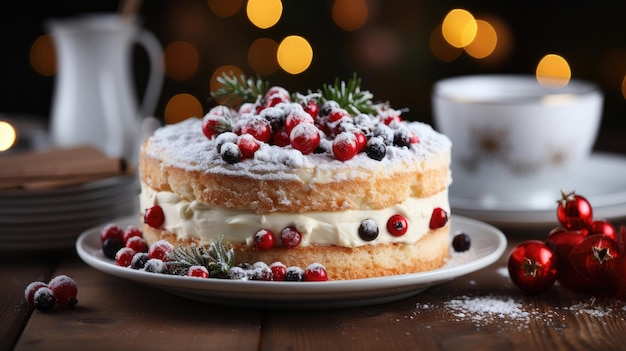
(94, 100)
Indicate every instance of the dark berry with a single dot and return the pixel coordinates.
(230, 153)
(439, 218)
(461, 242)
(368, 230)
(237, 273)
(31, 289)
(44, 299)
(139, 260)
(64, 289)
(294, 274)
(154, 265)
(245, 266)
(111, 246)
(154, 216)
(397, 225)
(402, 137)
(375, 148)
(264, 239)
(261, 271)
(290, 237)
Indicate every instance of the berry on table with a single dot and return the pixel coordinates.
(439, 218)
(154, 216)
(532, 266)
(264, 239)
(397, 225)
(44, 299)
(290, 237)
(461, 242)
(64, 289)
(29, 292)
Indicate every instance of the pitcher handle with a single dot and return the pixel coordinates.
(155, 78)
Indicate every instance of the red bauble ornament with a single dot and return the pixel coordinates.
(602, 227)
(533, 266)
(562, 242)
(574, 212)
(595, 261)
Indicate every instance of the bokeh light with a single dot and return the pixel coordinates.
(294, 54)
(7, 135)
(262, 56)
(43, 56)
(181, 60)
(459, 28)
(440, 48)
(349, 15)
(225, 8)
(264, 13)
(181, 107)
(553, 71)
(485, 41)
(624, 87)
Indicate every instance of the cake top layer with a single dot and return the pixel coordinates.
(331, 135)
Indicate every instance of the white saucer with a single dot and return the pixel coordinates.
(488, 244)
(601, 181)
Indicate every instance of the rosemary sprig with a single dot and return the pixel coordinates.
(234, 91)
(217, 259)
(349, 95)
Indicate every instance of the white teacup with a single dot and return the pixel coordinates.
(515, 142)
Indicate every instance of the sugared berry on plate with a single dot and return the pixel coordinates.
(461, 242)
(112, 231)
(124, 256)
(294, 274)
(278, 271)
(139, 260)
(160, 249)
(138, 244)
(198, 272)
(132, 231)
(111, 246)
(155, 265)
(315, 273)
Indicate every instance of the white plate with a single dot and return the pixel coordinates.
(601, 181)
(488, 244)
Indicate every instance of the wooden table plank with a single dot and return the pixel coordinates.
(15, 275)
(114, 314)
(483, 310)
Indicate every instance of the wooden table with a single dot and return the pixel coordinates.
(482, 310)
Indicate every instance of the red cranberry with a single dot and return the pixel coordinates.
(290, 237)
(154, 216)
(439, 218)
(397, 225)
(264, 239)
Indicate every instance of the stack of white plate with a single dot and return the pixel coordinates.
(52, 219)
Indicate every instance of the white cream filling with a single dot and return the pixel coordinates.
(195, 219)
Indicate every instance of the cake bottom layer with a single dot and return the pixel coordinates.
(430, 252)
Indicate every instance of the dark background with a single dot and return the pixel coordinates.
(591, 35)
